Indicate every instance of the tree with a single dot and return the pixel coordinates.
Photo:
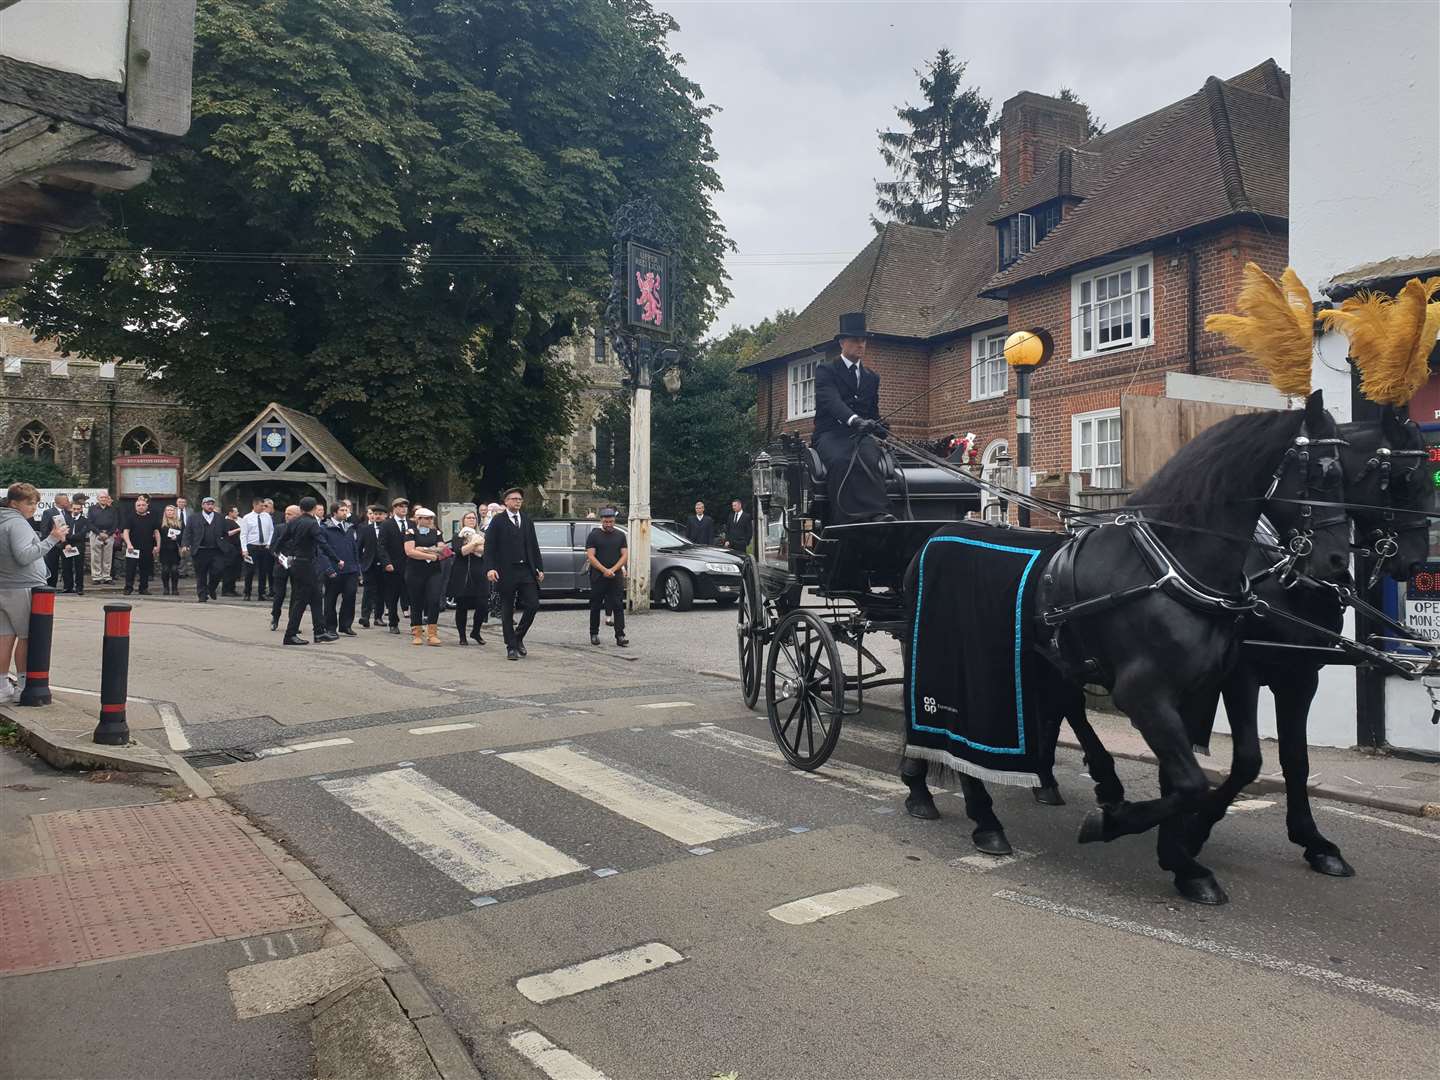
(701, 439)
(1096, 128)
(388, 213)
(28, 470)
(945, 158)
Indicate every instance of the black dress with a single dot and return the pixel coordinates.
(170, 545)
(425, 581)
(467, 578)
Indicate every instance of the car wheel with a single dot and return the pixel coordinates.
(676, 591)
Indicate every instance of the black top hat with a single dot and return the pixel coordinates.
(852, 324)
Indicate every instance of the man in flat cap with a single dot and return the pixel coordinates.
(512, 560)
(607, 554)
(847, 414)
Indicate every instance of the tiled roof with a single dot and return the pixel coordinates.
(1222, 151)
(330, 451)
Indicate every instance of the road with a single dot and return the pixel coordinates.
(588, 859)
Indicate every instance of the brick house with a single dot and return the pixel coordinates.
(1119, 245)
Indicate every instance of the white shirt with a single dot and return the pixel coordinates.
(514, 519)
(209, 517)
(256, 528)
(852, 368)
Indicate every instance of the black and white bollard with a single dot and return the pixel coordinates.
(37, 651)
(113, 730)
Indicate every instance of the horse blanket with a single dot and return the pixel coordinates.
(977, 695)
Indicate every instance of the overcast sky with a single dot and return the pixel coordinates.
(804, 85)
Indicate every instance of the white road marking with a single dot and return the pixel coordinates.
(871, 784)
(823, 905)
(469, 845)
(1242, 805)
(668, 812)
(985, 863)
(436, 729)
(602, 971)
(249, 953)
(96, 693)
(318, 744)
(273, 751)
(879, 740)
(1381, 821)
(669, 705)
(1392, 994)
(170, 717)
(550, 1059)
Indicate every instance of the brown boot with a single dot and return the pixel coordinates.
(416, 633)
(432, 634)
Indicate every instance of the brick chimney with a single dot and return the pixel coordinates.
(1033, 130)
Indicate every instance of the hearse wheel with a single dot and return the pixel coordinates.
(804, 690)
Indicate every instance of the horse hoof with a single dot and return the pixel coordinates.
(1048, 796)
(1202, 890)
(992, 842)
(1092, 828)
(922, 808)
(1330, 865)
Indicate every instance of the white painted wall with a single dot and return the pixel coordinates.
(1364, 176)
(84, 37)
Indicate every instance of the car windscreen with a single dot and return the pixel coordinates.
(664, 540)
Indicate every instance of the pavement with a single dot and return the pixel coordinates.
(594, 863)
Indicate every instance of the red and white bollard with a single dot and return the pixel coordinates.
(37, 651)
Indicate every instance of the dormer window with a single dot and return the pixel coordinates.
(1019, 233)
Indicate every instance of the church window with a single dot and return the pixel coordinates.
(35, 441)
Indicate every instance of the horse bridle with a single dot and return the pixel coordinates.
(1299, 540)
(1384, 542)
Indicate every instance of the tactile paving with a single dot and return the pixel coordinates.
(138, 879)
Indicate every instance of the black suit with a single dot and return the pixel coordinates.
(207, 545)
(515, 555)
(700, 530)
(372, 570)
(738, 530)
(857, 491)
(279, 575)
(393, 535)
(72, 567)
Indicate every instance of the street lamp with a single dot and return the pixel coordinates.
(1025, 350)
(760, 480)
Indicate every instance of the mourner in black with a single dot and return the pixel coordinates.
(340, 583)
(203, 539)
(59, 512)
(468, 587)
(847, 413)
(425, 571)
(738, 527)
(394, 531)
(231, 555)
(607, 554)
(104, 521)
(512, 560)
(72, 551)
(372, 568)
(700, 527)
(279, 575)
(170, 533)
(141, 544)
(303, 538)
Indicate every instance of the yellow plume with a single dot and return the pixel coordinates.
(1390, 339)
(1276, 327)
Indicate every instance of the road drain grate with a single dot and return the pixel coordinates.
(210, 759)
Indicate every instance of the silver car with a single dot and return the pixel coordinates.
(680, 572)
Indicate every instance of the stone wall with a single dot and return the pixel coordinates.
(569, 491)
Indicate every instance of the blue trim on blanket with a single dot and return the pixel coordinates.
(1034, 554)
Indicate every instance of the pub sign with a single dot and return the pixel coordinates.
(648, 290)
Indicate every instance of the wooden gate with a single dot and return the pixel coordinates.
(1152, 429)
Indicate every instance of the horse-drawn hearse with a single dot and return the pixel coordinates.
(1227, 571)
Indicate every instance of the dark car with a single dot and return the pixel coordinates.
(680, 572)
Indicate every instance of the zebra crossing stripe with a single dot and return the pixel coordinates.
(552, 1060)
(602, 971)
(469, 845)
(871, 784)
(667, 812)
(822, 906)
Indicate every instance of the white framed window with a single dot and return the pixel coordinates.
(12, 366)
(801, 381)
(989, 375)
(107, 369)
(1095, 447)
(60, 369)
(1113, 307)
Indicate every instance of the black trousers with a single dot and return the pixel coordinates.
(519, 588)
(72, 569)
(144, 566)
(230, 564)
(608, 593)
(170, 576)
(340, 590)
(857, 491)
(394, 586)
(260, 565)
(304, 593)
(279, 578)
(208, 564)
(52, 565)
(426, 582)
(372, 603)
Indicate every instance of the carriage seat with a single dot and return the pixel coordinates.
(889, 469)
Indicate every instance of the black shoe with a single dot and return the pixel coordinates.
(395, 628)
(349, 633)
(364, 624)
(203, 599)
(475, 636)
(621, 640)
(275, 623)
(511, 654)
(246, 597)
(464, 640)
(326, 637)
(594, 639)
(295, 640)
(520, 648)
(129, 591)
(144, 592)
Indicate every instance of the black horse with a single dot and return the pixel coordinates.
(1383, 473)
(1164, 658)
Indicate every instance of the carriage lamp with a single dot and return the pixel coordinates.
(760, 479)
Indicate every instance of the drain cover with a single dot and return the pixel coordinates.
(210, 759)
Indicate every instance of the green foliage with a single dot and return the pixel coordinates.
(701, 439)
(28, 470)
(944, 159)
(1095, 126)
(387, 213)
